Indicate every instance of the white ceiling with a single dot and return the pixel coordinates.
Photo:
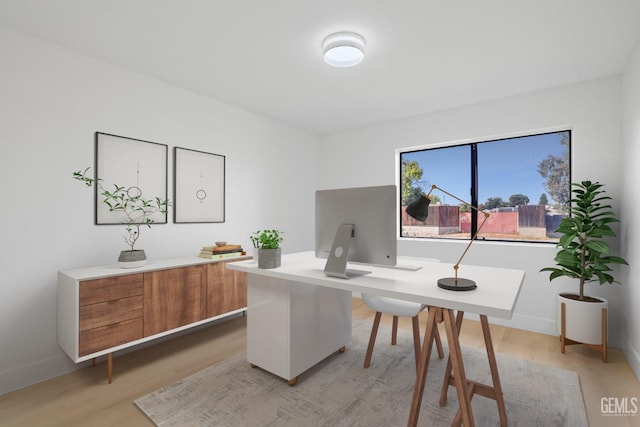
(421, 55)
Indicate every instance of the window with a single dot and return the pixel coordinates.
(524, 183)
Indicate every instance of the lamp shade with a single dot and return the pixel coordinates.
(419, 209)
(343, 49)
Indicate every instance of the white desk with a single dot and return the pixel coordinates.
(297, 316)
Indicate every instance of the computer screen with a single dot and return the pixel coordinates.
(358, 225)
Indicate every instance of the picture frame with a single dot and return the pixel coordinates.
(138, 165)
(199, 186)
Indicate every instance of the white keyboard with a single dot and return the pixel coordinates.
(405, 267)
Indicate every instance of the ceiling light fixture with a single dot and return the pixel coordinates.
(343, 49)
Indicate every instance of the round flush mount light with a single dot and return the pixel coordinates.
(343, 49)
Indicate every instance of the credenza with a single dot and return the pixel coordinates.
(104, 309)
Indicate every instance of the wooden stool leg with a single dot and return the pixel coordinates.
(436, 336)
(416, 341)
(493, 366)
(372, 339)
(394, 331)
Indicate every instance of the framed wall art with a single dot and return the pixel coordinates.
(198, 186)
(139, 166)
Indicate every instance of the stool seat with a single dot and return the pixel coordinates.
(392, 306)
(397, 308)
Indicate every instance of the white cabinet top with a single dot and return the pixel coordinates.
(97, 272)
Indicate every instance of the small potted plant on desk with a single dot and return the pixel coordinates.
(267, 243)
(584, 255)
(137, 211)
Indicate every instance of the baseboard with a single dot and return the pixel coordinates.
(520, 321)
(61, 364)
(633, 357)
(33, 373)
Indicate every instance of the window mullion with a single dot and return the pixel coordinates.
(474, 189)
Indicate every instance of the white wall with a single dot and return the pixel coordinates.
(51, 103)
(592, 110)
(630, 233)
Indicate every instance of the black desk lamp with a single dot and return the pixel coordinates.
(419, 210)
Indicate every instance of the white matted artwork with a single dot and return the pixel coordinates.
(139, 166)
(198, 186)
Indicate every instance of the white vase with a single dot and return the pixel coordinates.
(583, 319)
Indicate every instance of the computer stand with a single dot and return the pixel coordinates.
(336, 265)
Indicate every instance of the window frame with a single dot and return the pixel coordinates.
(474, 191)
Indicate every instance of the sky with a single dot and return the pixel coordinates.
(505, 167)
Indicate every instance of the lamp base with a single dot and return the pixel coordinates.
(453, 284)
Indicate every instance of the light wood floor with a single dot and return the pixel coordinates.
(83, 398)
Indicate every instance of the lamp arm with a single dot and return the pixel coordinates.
(486, 217)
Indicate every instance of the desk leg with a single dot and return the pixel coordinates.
(448, 377)
(473, 387)
(423, 367)
(497, 387)
(455, 354)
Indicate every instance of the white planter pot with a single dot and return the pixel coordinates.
(583, 319)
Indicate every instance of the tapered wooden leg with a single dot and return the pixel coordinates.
(563, 325)
(416, 341)
(425, 354)
(394, 331)
(604, 335)
(110, 367)
(372, 339)
(436, 335)
(493, 366)
(293, 381)
(460, 378)
(342, 349)
(448, 377)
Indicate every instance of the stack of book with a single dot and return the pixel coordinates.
(221, 252)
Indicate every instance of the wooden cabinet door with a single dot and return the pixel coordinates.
(226, 289)
(174, 298)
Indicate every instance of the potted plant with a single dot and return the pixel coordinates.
(137, 211)
(268, 244)
(583, 254)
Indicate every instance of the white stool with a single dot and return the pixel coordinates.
(397, 308)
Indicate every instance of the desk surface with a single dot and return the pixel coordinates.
(496, 294)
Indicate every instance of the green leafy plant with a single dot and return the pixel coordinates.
(267, 239)
(582, 252)
(136, 209)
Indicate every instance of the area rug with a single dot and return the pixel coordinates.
(340, 392)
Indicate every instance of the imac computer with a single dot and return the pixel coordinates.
(357, 225)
